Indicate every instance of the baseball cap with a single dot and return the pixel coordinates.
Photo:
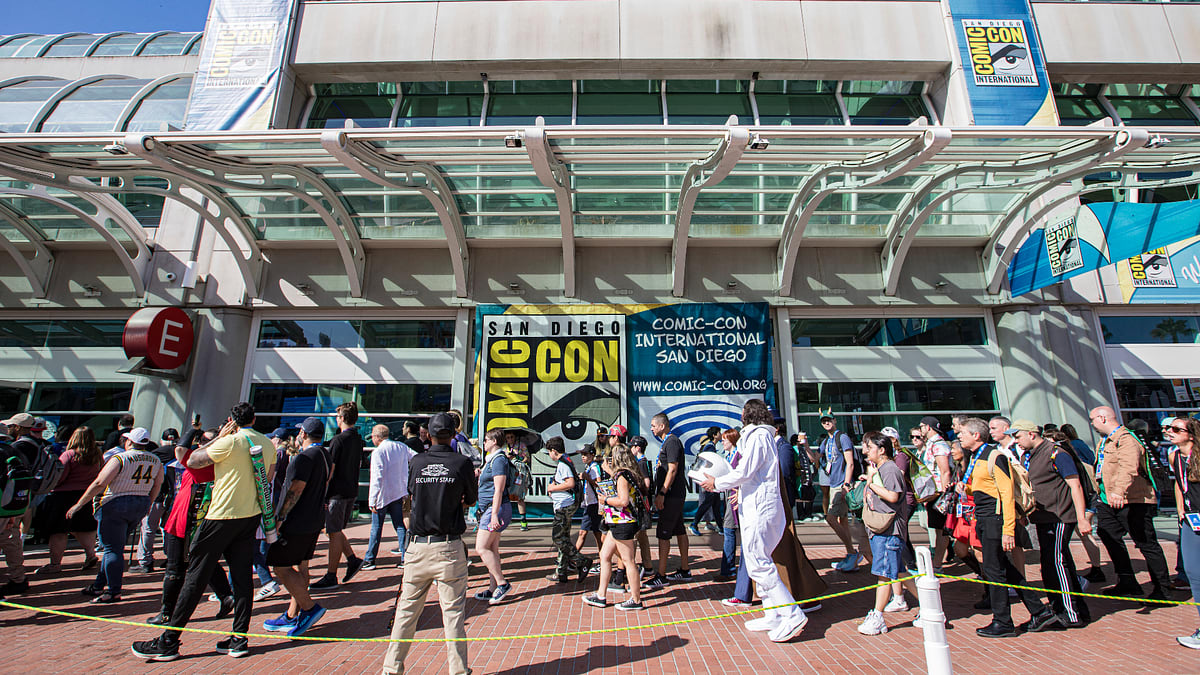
(588, 449)
(39, 424)
(312, 427)
(639, 442)
(890, 432)
(931, 422)
(1021, 425)
(137, 435)
(23, 420)
(617, 430)
(171, 434)
(1167, 419)
(280, 432)
(442, 424)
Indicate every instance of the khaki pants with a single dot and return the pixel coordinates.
(444, 563)
(11, 547)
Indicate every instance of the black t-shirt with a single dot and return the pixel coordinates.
(114, 437)
(672, 453)
(346, 449)
(415, 443)
(308, 515)
(440, 482)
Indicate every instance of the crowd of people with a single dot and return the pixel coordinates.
(986, 490)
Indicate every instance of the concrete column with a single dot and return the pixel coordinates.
(785, 373)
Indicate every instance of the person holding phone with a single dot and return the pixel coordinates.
(1185, 434)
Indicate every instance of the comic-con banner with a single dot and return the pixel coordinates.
(573, 370)
(241, 61)
(1167, 274)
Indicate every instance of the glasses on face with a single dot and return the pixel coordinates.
(1178, 430)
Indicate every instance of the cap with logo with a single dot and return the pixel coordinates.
(23, 420)
(931, 422)
(1021, 425)
(890, 432)
(137, 436)
(312, 427)
(617, 430)
(638, 442)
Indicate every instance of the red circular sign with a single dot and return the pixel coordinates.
(163, 335)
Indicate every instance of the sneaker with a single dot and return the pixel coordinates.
(1039, 623)
(226, 609)
(873, 624)
(789, 628)
(583, 569)
(594, 569)
(595, 600)
(499, 594)
(897, 604)
(396, 551)
(841, 563)
(485, 594)
(237, 647)
(353, 565)
(850, 564)
(213, 597)
(15, 588)
(917, 620)
(281, 623)
(810, 607)
(325, 583)
(306, 619)
(1180, 584)
(737, 603)
(1095, 575)
(654, 583)
(694, 531)
(367, 566)
(558, 578)
(646, 572)
(680, 575)
(1190, 641)
(763, 624)
(159, 619)
(156, 650)
(268, 589)
(47, 569)
(142, 568)
(106, 598)
(615, 587)
(524, 526)
(630, 606)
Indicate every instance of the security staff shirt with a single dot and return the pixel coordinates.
(440, 481)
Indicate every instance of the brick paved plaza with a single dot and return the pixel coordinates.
(1124, 637)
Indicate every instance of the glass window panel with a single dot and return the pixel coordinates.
(796, 102)
(120, 45)
(408, 334)
(837, 332)
(146, 208)
(81, 396)
(881, 87)
(1134, 330)
(520, 102)
(75, 45)
(878, 332)
(1168, 396)
(958, 396)
(13, 398)
(369, 104)
(932, 331)
(20, 102)
(708, 101)
(1175, 193)
(844, 396)
(378, 399)
(85, 333)
(171, 44)
(11, 47)
(1152, 111)
(619, 102)
(884, 108)
(28, 334)
(440, 104)
(92, 107)
(315, 333)
(32, 47)
(167, 104)
(195, 48)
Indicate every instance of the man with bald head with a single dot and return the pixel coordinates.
(388, 492)
(1128, 504)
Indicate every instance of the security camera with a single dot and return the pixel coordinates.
(171, 276)
(116, 149)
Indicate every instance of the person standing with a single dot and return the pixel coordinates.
(151, 525)
(441, 483)
(81, 466)
(619, 499)
(638, 445)
(495, 513)
(837, 455)
(885, 491)
(1058, 510)
(227, 530)
(126, 486)
(346, 450)
(1184, 433)
(762, 517)
(412, 437)
(388, 492)
(562, 495)
(708, 503)
(300, 514)
(934, 452)
(670, 494)
(590, 524)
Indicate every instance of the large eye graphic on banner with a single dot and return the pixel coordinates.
(578, 413)
(1157, 267)
(1009, 58)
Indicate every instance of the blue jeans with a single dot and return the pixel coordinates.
(743, 590)
(260, 563)
(729, 563)
(113, 522)
(1189, 544)
(395, 511)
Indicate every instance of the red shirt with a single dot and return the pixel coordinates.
(178, 519)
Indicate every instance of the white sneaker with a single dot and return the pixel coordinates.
(897, 604)
(917, 620)
(763, 623)
(873, 624)
(1191, 641)
(788, 628)
(268, 589)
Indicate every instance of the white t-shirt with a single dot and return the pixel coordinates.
(562, 498)
(589, 493)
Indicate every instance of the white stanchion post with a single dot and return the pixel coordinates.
(933, 619)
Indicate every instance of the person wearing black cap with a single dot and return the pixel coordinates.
(638, 444)
(935, 454)
(441, 483)
(837, 455)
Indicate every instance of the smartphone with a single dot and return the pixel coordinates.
(196, 420)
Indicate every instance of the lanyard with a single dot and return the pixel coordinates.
(975, 458)
(1100, 450)
(1181, 471)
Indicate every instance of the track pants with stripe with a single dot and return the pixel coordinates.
(1058, 572)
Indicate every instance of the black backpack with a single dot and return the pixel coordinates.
(577, 491)
(16, 483)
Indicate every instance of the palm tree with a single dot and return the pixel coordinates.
(1172, 328)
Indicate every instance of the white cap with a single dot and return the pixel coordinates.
(890, 431)
(138, 435)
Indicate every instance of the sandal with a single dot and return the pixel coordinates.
(90, 563)
(91, 590)
(105, 598)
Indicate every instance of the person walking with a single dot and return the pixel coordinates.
(1185, 434)
(495, 514)
(346, 450)
(81, 466)
(670, 493)
(562, 493)
(387, 495)
(619, 499)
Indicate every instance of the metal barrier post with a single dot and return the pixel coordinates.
(933, 619)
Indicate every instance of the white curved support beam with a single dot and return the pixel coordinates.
(373, 166)
(915, 153)
(37, 269)
(701, 174)
(137, 99)
(554, 175)
(194, 165)
(995, 262)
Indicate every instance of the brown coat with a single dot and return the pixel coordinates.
(794, 567)
(1123, 470)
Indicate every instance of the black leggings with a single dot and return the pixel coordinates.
(177, 567)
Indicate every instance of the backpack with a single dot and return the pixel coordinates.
(516, 479)
(16, 483)
(577, 491)
(1022, 487)
(1087, 474)
(639, 502)
(852, 472)
(46, 467)
(924, 486)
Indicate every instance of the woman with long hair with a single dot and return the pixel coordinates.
(495, 514)
(619, 499)
(81, 464)
(1184, 432)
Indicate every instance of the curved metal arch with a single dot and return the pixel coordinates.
(46, 47)
(554, 174)
(188, 47)
(29, 78)
(142, 45)
(100, 40)
(912, 154)
(136, 266)
(48, 107)
(995, 263)
(365, 161)
(131, 107)
(36, 270)
(701, 174)
(333, 212)
(16, 36)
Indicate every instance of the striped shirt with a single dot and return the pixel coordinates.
(135, 477)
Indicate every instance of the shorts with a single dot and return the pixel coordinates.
(839, 507)
(936, 519)
(885, 556)
(337, 514)
(625, 531)
(670, 519)
(292, 549)
(505, 516)
(591, 518)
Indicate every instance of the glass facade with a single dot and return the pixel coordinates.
(368, 104)
(95, 404)
(888, 332)
(870, 406)
(391, 404)
(1150, 330)
(369, 334)
(36, 333)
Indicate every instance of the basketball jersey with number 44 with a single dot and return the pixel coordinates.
(135, 477)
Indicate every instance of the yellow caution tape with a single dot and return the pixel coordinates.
(1081, 595)
(493, 638)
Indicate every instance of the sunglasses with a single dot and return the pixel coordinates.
(1178, 430)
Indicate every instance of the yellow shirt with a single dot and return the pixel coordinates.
(234, 494)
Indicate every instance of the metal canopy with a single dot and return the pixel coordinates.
(781, 187)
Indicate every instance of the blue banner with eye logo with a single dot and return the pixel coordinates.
(1003, 64)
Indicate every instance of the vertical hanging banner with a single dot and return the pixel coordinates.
(572, 370)
(1002, 60)
(241, 61)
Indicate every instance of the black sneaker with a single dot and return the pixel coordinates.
(156, 650)
(1040, 623)
(367, 566)
(159, 619)
(353, 565)
(325, 583)
(584, 566)
(226, 607)
(680, 575)
(595, 600)
(630, 606)
(15, 588)
(558, 578)
(237, 647)
(654, 583)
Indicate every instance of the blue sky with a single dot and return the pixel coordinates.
(102, 16)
